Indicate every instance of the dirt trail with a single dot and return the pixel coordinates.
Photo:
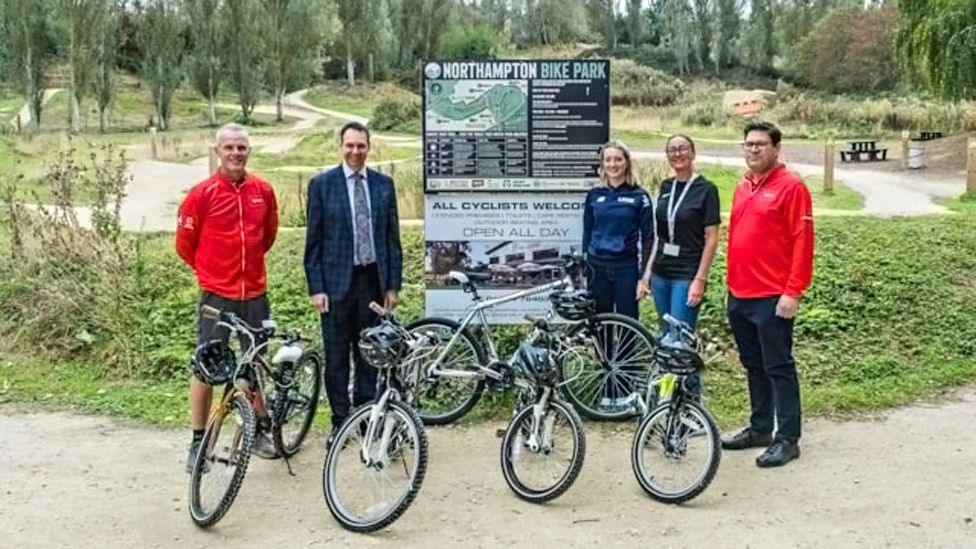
(905, 479)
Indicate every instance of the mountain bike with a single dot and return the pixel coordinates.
(288, 388)
(375, 466)
(544, 445)
(676, 451)
(604, 358)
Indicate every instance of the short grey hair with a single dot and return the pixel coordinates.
(230, 129)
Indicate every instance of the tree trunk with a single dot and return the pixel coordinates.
(75, 112)
(350, 66)
(372, 69)
(102, 118)
(279, 100)
(213, 109)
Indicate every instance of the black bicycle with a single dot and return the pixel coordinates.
(291, 399)
(676, 450)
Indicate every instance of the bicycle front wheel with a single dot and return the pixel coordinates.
(219, 468)
(368, 492)
(676, 455)
(541, 461)
(294, 407)
(608, 363)
(443, 399)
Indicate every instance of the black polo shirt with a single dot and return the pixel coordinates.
(698, 210)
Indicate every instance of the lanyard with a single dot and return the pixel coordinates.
(673, 206)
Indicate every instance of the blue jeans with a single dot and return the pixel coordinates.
(671, 297)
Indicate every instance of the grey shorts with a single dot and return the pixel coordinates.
(253, 311)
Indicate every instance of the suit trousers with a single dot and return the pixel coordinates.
(765, 344)
(340, 337)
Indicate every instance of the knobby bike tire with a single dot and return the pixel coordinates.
(211, 436)
(328, 480)
(290, 448)
(644, 477)
(563, 484)
(643, 370)
(464, 405)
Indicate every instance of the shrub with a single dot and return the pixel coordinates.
(475, 42)
(851, 50)
(704, 114)
(400, 114)
(633, 84)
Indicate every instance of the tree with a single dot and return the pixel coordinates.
(84, 19)
(851, 50)
(635, 21)
(206, 33)
(242, 55)
(702, 31)
(291, 37)
(160, 34)
(548, 21)
(726, 30)
(418, 26)
(105, 57)
(936, 45)
(377, 39)
(679, 25)
(476, 42)
(759, 41)
(26, 26)
(609, 22)
(352, 13)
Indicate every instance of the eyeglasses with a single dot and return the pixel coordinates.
(680, 149)
(756, 144)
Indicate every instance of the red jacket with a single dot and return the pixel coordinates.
(770, 236)
(224, 232)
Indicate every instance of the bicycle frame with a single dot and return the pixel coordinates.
(478, 311)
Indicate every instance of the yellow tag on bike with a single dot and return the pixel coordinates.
(667, 386)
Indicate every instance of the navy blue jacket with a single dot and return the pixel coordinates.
(617, 226)
(329, 242)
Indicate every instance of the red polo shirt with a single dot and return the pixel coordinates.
(224, 232)
(770, 236)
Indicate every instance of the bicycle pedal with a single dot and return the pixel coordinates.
(500, 433)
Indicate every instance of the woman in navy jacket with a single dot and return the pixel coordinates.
(617, 232)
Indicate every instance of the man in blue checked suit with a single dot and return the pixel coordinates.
(352, 257)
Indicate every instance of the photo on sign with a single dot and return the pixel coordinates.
(496, 264)
(477, 106)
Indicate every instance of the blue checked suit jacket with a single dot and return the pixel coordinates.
(329, 244)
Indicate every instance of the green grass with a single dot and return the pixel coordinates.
(360, 101)
(726, 179)
(964, 203)
(10, 104)
(321, 149)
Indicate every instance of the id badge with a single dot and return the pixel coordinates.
(671, 249)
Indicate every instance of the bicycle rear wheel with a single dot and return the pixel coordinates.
(367, 496)
(675, 455)
(610, 363)
(541, 468)
(445, 398)
(219, 468)
(294, 408)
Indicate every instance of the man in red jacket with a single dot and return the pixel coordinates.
(227, 224)
(770, 265)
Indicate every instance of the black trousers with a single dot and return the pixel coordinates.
(340, 337)
(766, 350)
(253, 311)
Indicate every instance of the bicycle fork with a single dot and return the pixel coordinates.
(374, 452)
(540, 437)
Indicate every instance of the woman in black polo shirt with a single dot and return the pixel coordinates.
(686, 236)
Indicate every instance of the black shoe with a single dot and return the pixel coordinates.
(263, 447)
(779, 453)
(746, 438)
(332, 437)
(192, 455)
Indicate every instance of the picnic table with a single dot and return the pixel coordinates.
(929, 136)
(866, 149)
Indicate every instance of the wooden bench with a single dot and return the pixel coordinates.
(866, 150)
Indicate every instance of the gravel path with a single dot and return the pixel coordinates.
(904, 479)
